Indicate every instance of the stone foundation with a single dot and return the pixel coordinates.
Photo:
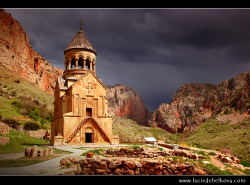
(4, 129)
(145, 152)
(138, 161)
(42, 134)
(132, 166)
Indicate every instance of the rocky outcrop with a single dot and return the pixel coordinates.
(123, 101)
(193, 104)
(17, 55)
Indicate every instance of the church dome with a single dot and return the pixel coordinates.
(80, 41)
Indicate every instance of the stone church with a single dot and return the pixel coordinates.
(80, 103)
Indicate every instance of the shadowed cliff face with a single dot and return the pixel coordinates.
(17, 55)
(125, 102)
(193, 104)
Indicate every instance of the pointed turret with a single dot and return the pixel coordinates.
(80, 56)
(80, 41)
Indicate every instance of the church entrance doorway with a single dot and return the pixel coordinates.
(88, 138)
(89, 112)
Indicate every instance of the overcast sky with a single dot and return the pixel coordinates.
(153, 51)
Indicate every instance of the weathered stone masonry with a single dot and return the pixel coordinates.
(134, 166)
(129, 161)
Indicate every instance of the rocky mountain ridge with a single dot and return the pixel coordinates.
(17, 55)
(123, 101)
(193, 104)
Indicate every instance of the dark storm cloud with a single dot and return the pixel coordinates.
(153, 51)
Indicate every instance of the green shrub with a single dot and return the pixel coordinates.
(198, 145)
(11, 122)
(27, 103)
(33, 108)
(16, 103)
(135, 147)
(211, 153)
(35, 114)
(30, 125)
(23, 111)
(216, 171)
(245, 163)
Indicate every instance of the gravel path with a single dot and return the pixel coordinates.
(11, 156)
(52, 166)
(49, 167)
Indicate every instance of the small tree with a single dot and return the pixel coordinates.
(30, 125)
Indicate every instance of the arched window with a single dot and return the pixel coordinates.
(73, 63)
(88, 64)
(80, 63)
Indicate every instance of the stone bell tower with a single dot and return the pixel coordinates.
(80, 104)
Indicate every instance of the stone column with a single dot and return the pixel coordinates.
(91, 65)
(94, 67)
(84, 64)
(69, 63)
(76, 59)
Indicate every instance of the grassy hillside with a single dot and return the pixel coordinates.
(129, 130)
(23, 101)
(17, 86)
(215, 135)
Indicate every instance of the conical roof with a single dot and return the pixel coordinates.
(80, 41)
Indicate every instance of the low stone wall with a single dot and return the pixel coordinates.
(44, 134)
(4, 140)
(132, 166)
(146, 152)
(4, 129)
(170, 146)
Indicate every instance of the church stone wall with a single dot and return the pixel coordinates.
(80, 99)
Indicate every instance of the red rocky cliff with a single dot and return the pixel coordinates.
(17, 55)
(125, 102)
(193, 104)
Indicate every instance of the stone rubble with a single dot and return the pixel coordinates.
(141, 161)
(146, 152)
(130, 166)
(228, 158)
(138, 161)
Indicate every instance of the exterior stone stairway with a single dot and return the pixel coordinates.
(79, 127)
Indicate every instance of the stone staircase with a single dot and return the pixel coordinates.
(79, 127)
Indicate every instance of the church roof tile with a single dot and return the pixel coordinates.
(80, 41)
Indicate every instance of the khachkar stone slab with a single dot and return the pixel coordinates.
(38, 152)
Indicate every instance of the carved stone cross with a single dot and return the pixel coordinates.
(90, 86)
